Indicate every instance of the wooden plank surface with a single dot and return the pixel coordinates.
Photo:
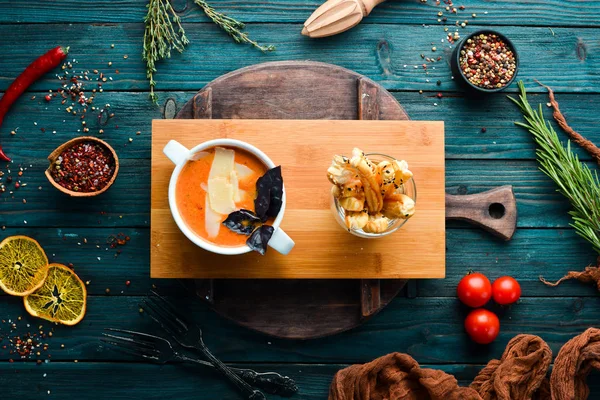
(531, 253)
(563, 13)
(376, 51)
(539, 205)
(463, 123)
(117, 381)
(320, 242)
(434, 334)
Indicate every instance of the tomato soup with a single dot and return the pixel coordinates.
(214, 183)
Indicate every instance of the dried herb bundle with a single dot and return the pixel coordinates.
(575, 180)
(164, 33)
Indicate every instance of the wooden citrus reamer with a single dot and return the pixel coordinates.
(336, 16)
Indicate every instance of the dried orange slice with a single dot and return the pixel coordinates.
(62, 297)
(23, 265)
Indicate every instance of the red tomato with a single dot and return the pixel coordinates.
(474, 290)
(506, 290)
(483, 326)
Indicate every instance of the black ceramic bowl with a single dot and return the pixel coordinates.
(462, 79)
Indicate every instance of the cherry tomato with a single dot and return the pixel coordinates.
(506, 290)
(474, 290)
(483, 326)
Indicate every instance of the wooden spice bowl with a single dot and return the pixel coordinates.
(59, 150)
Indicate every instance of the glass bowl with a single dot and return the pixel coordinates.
(409, 187)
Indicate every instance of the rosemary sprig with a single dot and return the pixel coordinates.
(160, 37)
(232, 26)
(575, 180)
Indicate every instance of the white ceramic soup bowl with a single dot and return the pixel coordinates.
(179, 155)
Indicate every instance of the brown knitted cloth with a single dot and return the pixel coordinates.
(574, 362)
(519, 375)
(393, 377)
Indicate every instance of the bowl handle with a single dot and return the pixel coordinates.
(281, 242)
(176, 152)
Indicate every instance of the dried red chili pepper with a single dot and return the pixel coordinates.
(32, 73)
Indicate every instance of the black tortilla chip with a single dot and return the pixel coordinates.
(269, 194)
(242, 221)
(259, 239)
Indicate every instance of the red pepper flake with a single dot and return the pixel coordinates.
(483, 130)
(117, 240)
(48, 97)
(440, 95)
(84, 167)
(127, 283)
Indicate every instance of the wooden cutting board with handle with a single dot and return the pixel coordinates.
(311, 308)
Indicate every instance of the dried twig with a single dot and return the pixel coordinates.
(576, 137)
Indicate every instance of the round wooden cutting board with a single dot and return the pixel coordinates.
(299, 309)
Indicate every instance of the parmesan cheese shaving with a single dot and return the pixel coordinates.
(222, 164)
(236, 186)
(199, 155)
(212, 221)
(242, 171)
(220, 192)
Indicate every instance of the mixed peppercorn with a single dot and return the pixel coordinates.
(84, 167)
(487, 61)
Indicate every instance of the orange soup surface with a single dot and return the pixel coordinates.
(192, 197)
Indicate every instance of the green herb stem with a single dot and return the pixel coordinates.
(232, 26)
(162, 34)
(575, 180)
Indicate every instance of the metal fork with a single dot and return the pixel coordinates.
(160, 351)
(190, 336)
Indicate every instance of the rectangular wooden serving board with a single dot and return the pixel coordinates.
(304, 149)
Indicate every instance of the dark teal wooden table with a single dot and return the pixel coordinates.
(558, 44)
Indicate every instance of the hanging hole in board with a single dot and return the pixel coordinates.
(496, 210)
(179, 6)
(170, 108)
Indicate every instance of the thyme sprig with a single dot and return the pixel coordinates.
(232, 26)
(575, 180)
(163, 33)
